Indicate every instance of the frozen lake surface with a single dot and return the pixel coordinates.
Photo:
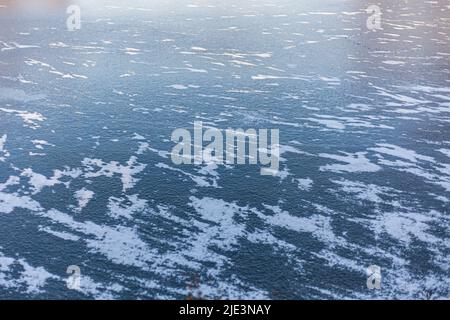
(86, 177)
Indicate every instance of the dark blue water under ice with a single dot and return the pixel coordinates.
(86, 177)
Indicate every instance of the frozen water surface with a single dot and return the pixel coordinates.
(86, 177)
